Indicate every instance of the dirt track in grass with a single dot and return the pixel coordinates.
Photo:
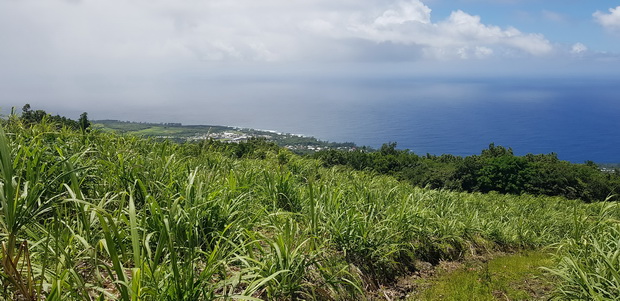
(496, 276)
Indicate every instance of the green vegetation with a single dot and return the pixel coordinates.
(30, 116)
(511, 277)
(589, 262)
(495, 169)
(95, 215)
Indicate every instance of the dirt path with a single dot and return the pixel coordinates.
(492, 277)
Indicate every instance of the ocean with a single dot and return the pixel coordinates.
(575, 118)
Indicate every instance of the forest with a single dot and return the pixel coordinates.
(88, 215)
(495, 169)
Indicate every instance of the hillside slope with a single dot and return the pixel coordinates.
(100, 215)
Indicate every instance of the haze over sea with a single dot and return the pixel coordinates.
(574, 117)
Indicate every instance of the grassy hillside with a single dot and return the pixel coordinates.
(103, 216)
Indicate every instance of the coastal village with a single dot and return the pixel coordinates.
(192, 133)
(311, 145)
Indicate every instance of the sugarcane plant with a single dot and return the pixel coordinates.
(24, 175)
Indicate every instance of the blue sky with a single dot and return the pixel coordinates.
(561, 21)
(110, 56)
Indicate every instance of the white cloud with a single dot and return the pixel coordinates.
(462, 28)
(168, 31)
(578, 48)
(405, 11)
(409, 23)
(483, 52)
(610, 21)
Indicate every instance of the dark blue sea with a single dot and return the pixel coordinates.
(577, 119)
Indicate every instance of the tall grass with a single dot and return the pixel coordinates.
(589, 261)
(90, 216)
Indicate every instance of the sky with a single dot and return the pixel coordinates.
(155, 60)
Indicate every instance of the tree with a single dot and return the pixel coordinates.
(29, 116)
(84, 123)
(26, 108)
(496, 151)
(504, 174)
(388, 149)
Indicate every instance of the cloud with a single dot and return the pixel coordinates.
(167, 31)
(554, 16)
(461, 35)
(578, 48)
(610, 21)
(403, 12)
